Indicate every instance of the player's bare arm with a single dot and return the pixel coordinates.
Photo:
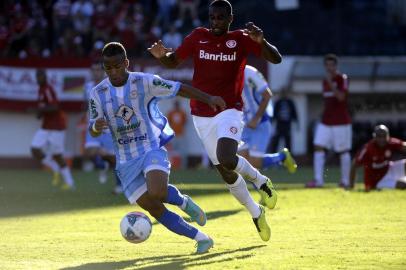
(97, 127)
(214, 102)
(266, 97)
(165, 55)
(268, 51)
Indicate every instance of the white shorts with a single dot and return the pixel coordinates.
(227, 124)
(53, 141)
(395, 173)
(337, 138)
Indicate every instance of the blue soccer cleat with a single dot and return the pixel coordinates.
(195, 212)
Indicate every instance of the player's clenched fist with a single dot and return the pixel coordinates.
(216, 101)
(99, 125)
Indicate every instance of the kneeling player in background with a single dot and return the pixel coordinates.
(376, 158)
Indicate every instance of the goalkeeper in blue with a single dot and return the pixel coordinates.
(126, 103)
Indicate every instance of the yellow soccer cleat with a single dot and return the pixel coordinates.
(268, 195)
(262, 226)
(67, 187)
(56, 179)
(289, 162)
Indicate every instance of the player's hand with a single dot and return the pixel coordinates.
(217, 102)
(100, 124)
(253, 123)
(158, 50)
(254, 32)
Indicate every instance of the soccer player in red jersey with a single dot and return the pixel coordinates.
(376, 158)
(335, 131)
(219, 56)
(50, 138)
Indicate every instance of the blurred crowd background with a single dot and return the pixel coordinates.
(65, 28)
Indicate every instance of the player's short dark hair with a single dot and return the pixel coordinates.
(331, 57)
(222, 4)
(114, 48)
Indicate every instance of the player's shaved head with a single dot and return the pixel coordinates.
(222, 4)
(115, 63)
(381, 135)
(113, 49)
(381, 131)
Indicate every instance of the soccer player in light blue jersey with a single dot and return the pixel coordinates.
(257, 131)
(126, 103)
(100, 149)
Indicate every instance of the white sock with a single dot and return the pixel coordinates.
(201, 236)
(249, 172)
(318, 163)
(67, 176)
(345, 162)
(50, 163)
(240, 192)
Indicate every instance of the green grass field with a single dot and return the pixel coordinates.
(42, 227)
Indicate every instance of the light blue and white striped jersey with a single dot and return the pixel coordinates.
(254, 85)
(88, 88)
(136, 124)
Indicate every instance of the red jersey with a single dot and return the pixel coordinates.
(335, 111)
(50, 120)
(219, 63)
(375, 160)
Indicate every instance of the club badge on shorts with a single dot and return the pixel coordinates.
(233, 130)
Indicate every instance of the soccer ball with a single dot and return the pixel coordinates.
(135, 227)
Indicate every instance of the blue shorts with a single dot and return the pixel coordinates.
(256, 140)
(104, 141)
(132, 173)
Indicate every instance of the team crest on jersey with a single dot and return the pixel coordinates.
(233, 130)
(231, 43)
(125, 113)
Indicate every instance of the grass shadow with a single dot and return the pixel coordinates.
(170, 261)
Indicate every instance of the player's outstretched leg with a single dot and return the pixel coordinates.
(276, 159)
(240, 192)
(174, 222)
(186, 203)
(261, 182)
(261, 224)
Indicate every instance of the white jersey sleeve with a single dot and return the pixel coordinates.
(255, 79)
(159, 87)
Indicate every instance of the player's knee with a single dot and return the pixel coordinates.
(159, 194)
(227, 161)
(37, 153)
(153, 207)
